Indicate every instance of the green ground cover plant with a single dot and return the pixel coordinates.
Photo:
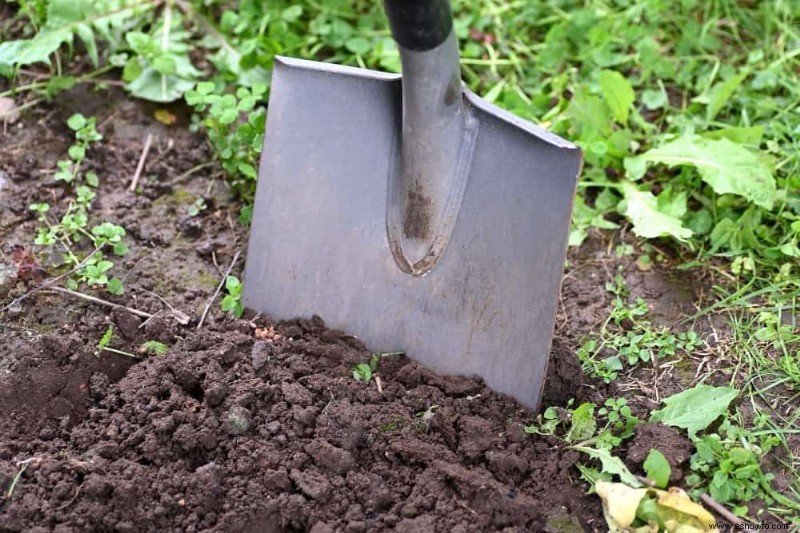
(627, 339)
(73, 228)
(686, 111)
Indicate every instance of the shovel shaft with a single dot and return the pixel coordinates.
(435, 149)
(419, 24)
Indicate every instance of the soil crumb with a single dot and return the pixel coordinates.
(676, 448)
(238, 431)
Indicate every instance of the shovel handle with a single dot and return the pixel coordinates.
(419, 25)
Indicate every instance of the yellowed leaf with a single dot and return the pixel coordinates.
(165, 117)
(675, 510)
(619, 503)
(678, 500)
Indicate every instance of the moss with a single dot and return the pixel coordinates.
(392, 425)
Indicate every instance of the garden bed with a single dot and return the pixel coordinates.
(244, 424)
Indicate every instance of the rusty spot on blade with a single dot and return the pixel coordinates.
(417, 219)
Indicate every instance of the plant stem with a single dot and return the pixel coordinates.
(23, 107)
(54, 280)
(720, 510)
(23, 88)
(219, 288)
(191, 171)
(120, 352)
(16, 478)
(101, 301)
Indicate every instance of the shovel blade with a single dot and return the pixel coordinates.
(318, 243)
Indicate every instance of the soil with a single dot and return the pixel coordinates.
(231, 432)
(242, 425)
(246, 425)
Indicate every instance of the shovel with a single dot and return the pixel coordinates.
(412, 213)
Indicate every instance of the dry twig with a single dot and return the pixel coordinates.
(219, 288)
(135, 181)
(722, 511)
(54, 280)
(101, 301)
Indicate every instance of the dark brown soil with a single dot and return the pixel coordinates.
(229, 432)
(247, 425)
(240, 427)
(676, 448)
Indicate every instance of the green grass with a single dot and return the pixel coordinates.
(688, 113)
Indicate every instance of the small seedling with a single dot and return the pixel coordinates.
(85, 134)
(627, 338)
(106, 339)
(232, 302)
(74, 227)
(154, 347)
(427, 415)
(364, 371)
(22, 465)
(196, 207)
(604, 428)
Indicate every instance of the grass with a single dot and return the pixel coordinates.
(687, 113)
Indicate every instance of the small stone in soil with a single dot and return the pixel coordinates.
(260, 354)
(238, 421)
(312, 484)
(127, 323)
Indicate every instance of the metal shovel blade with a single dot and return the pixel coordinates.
(319, 231)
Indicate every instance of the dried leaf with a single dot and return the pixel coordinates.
(619, 503)
(678, 500)
(8, 110)
(165, 117)
(650, 510)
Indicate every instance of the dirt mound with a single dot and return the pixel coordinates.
(232, 432)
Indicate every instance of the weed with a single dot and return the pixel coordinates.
(73, 227)
(683, 138)
(154, 347)
(85, 134)
(232, 302)
(197, 207)
(727, 460)
(425, 417)
(685, 111)
(393, 424)
(604, 428)
(103, 345)
(790, 365)
(21, 466)
(364, 371)
(159, 68)
(234, 127)
(657, 468)
(629, 339)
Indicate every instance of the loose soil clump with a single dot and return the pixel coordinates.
(232, 432)
(245, 425)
